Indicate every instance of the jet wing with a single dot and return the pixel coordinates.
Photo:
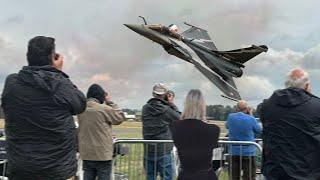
(200, 36)
(243, 55)
(227, 85)
(178, 51)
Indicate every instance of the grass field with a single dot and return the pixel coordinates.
(134, 129)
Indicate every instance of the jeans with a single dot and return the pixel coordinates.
(159, 164)
(99, 169)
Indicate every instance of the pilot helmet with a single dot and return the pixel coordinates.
(173, 28)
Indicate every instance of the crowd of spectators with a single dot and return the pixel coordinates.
(42, 141)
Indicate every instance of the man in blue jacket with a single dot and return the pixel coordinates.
(242, 126)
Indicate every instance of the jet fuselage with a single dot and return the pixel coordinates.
(213, 61)
(220, 65)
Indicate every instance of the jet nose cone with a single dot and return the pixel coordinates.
(149, 33)
(128, 25)
(134, 27)
(140, 29)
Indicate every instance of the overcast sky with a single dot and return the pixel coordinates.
(99, 49)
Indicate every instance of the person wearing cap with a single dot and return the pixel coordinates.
(242, 126)
(95, 133)
(38, 104)
(157, 115)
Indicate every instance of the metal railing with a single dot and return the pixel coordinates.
(137, 154)
(131, 157)
(3, 164)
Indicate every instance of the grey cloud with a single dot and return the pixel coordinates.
(273, 66)
(10, 58)
(17, 19)
(312, 58)
(98, 48)
(3, 43)
(254, 88)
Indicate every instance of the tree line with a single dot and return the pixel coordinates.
(220, 112)
(214, 112)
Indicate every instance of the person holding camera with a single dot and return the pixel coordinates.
(242, 126)
(95, 133)
(38, 103)
(157, 115)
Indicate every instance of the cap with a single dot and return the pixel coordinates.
(159, 89)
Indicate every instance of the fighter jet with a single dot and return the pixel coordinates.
(219, 66)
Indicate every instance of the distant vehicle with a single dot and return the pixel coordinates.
(221, 66)
(129, 117)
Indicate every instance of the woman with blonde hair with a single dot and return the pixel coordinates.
(195, 139)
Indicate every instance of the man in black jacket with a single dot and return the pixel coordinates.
(38, 103)
(291, 131)
(157, 115)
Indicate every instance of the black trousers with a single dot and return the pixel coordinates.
(29, 178)
(207, 174)
(247, 164)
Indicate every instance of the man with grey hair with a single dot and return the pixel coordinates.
(242, 126)
(157, 115)
(291, 130)
(298, 78)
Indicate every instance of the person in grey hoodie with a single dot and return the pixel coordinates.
(157, 115)
(38, 104)
(291, 131)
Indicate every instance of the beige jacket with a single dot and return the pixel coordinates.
(95, 130)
